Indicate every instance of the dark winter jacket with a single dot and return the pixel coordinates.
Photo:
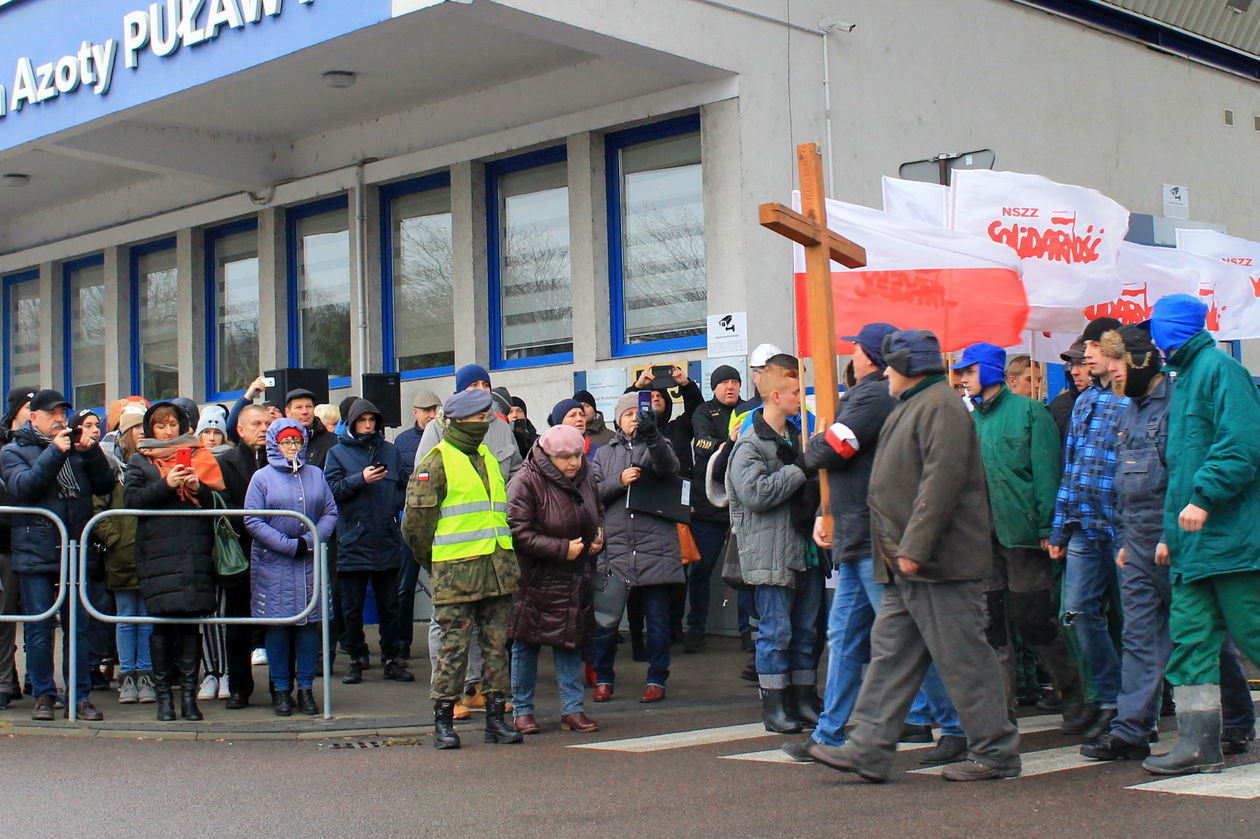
(1061, 410)
(598, 432)
(929, 501)
(30, 466)
(320, 444)
(408, 443)
(863, 411)
(1213, 462)
(238, 466)
(281, 581)
(174, 555)
(642, 549)
(552, 604)
(1141, 474)
(368, 538)
(710, 426)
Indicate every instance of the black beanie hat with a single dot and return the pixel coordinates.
(344, 407)
(722, 374)
(1095, 328)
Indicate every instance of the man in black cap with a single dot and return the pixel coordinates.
(299, 405)
(10, 686)
(709, 524)
(43, 468)
(930, 524)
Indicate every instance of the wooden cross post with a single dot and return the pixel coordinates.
(809, 229)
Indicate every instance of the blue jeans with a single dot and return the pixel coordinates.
(305, 642)
(39, 591)
(710, 539)
(655, 640)
(788, 631)
(525, 678)
(849, 625)
(133, 638)
(1090, 576)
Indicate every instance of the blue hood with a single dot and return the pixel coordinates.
(1176, 319)
(992, 361)
(274, 456)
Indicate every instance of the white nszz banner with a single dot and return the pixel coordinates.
(1236, 290)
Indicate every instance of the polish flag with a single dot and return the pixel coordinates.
(1236, 291)
(1067, 236)
(964, 288)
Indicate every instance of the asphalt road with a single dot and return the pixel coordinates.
(106, 785)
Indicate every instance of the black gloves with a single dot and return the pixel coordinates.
(302, 549)
(648, 429)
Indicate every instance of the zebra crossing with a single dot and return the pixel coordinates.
(1240, 782)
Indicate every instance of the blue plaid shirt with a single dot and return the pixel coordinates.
(1087, 496)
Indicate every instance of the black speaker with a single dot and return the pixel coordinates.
(314, 379)
(384, 390)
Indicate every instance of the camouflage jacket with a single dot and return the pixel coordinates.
(462, 580)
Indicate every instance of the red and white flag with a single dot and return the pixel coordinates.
(1067, 237)
(1236, 289)
(918, 276)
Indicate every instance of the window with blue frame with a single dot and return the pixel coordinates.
(658, 292)
(531, 289)
(232, 281)
(319, 283)
(22, 311)
(417, 277)
(83, 310)
(155, 320)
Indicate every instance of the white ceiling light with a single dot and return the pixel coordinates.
(340, 79)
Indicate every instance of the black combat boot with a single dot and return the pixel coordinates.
(306, 702)
(189, 659)
(497, 730)
(160, 650)
(444, 736)
(774, 714)
(803, 705)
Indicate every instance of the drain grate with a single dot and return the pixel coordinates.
(375, 744)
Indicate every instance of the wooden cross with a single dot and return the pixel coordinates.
(809, 229)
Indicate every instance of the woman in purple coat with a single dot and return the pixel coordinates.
(282, 567)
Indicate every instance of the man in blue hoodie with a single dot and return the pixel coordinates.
(1211, 526)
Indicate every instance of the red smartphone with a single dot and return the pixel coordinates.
(183, 457)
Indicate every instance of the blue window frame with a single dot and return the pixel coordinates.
(417, 283)
(231, 334)
(656, 265)
(21, 348)
(527, 250)
(84, 331)
(154, 320)
(319, 271)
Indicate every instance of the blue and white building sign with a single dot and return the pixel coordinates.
(64, 63)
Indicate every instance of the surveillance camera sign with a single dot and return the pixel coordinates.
(728, 334)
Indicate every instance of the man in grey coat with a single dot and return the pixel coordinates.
(930, 525)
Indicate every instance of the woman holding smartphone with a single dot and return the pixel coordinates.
(557, 529)
(174, 554)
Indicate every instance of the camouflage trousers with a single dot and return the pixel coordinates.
(458, 622)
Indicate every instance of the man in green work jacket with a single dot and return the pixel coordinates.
(1023, 464)
(456, 524)
(1211, 526)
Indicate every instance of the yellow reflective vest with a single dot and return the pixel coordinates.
(473, 522)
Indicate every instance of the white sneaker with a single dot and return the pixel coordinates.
(259, 656)
(223, 688)
(209, 688)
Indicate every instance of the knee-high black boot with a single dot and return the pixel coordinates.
(160, 653)
(189, 658)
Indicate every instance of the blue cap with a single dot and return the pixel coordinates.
(913, 352)
(468, 374)
(990, 357)
(466, 403)
(1176, 319)
(871, 339)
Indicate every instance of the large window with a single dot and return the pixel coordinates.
(154, 321)
(232, 309)
(531, 299)
(319, 282)
(21, 331)
(656, 237)
(417, 277)
(84, 331)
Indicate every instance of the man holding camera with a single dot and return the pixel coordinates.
(48, 466)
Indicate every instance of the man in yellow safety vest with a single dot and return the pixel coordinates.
(456, 524)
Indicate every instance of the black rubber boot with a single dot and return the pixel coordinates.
(774, 713)
(159, 649)
(497, 730)
(444, 736)
(803, 705)
(1198, 746)
(189, 659)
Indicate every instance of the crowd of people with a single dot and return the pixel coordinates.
(984, 552)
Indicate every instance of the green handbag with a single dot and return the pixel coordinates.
(229, 559)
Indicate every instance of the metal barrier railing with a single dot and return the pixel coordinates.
(78, 572)
(63, 573)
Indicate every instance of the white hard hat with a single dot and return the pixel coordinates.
(763, 353)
